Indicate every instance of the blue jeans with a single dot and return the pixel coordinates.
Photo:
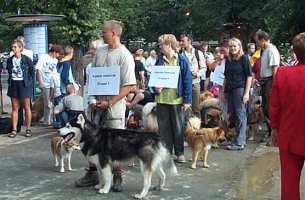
(238, 113)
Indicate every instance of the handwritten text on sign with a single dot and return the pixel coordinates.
(104, 80)
(164, 76)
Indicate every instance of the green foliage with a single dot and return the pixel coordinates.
(147, 19)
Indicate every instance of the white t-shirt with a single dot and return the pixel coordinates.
(149, 63)
(117, 57)
(218, 75)
(270, 57)
(47, 66)
(55, 83)
(201, 69)
(17, 74)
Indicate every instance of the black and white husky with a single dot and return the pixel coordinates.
(105, 146)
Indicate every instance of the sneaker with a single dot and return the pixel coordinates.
(235, 147)
(90, 179)
(180, 159)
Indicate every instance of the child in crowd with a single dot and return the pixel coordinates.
(70, 106)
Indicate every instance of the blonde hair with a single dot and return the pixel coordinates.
(115, 26)
(169, 39)
(238, 42)
(19, 43)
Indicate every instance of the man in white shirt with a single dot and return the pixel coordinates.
(151, 61)
(197, 66)
(45, 69)
(111, 109)
(270, 61)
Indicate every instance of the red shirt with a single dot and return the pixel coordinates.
(256, 69)
(287, 108)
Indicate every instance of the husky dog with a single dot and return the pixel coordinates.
(62, 148)
(105, 146)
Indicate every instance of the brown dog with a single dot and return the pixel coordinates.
(210, 110)
(201, 139)
(37, 110)
(255, 120)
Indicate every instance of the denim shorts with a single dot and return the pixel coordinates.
(17, 90)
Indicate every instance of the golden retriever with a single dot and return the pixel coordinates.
(200, 140)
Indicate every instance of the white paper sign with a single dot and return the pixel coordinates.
(104, 80)
(164, 76)
(218, 75)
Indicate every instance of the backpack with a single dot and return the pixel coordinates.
(5, 125)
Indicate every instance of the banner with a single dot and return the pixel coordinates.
(104, 80)
(164, 76)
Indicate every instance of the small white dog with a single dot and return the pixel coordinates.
(62, 148)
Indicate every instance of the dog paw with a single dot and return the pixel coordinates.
(70, 169)
(62, 170)
(103, 191)
(98, 186)
(157, 188)
(138, 196)
(206, 165)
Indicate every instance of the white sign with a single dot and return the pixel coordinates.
(104, 80)
(164, 76)
(218, 75)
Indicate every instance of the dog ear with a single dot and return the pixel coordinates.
(219, 131)
(80, 119)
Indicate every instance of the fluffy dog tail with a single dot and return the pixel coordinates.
(168, 160)
(193, 124)
(150, 122)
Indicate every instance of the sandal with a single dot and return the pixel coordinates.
(28, 133)
(12, 134)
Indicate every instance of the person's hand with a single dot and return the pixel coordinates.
(41, 85)
(246, 98)
(158, 89)
(274, 137)
(194, 74)
(187, 107)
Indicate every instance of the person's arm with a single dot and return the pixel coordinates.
(142, 79)
(275, 108)
(187, 85)
(248, 74)
(202, 65)
(39, 78)
(274, 70)
(39, 67)
(274, 60)
(247, 89)
(213, 63)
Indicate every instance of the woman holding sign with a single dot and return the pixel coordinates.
(171, 101)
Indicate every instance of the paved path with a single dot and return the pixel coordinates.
(27, 172)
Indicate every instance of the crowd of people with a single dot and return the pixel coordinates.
(237, 78)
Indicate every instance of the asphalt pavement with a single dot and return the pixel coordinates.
(27, 172)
